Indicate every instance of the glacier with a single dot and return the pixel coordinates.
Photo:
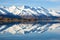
(26, 11)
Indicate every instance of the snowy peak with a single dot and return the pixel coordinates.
(12, 8)
(27, 10)
(25, 7)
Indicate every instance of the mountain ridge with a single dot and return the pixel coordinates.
(27, 11)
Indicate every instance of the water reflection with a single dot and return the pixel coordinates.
(29, 24)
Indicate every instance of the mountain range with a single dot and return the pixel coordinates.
(27, 11)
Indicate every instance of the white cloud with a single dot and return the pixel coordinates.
(57, 8)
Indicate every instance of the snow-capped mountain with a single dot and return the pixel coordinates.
(27, 11)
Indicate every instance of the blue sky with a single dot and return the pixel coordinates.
(55, 4)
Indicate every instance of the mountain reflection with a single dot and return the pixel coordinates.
(9, 21)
